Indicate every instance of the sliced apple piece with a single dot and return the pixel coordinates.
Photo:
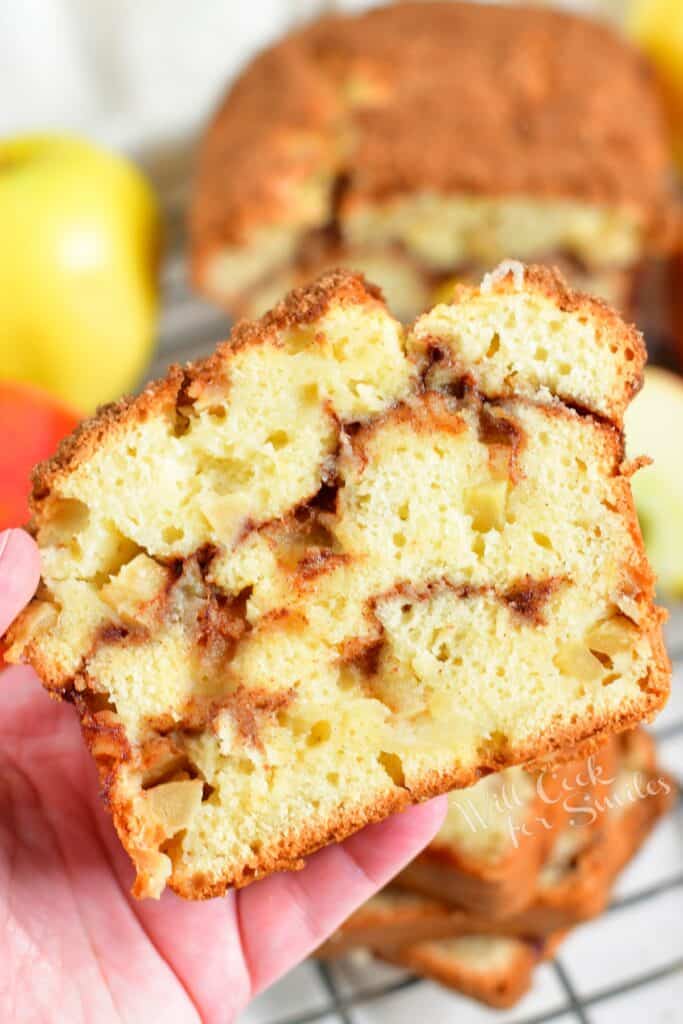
(654, 427)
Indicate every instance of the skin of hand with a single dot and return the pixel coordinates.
(74, 946)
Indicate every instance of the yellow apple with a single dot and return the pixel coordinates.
(657, 27)
(79, 247)
(654, 427)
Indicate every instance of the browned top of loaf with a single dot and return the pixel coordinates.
(457, 97)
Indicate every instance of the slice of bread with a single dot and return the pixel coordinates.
(642, 794)
(391, 919)
(496, 836)
(337, 568)
(573, 885)
(493, 969)
(576, 881)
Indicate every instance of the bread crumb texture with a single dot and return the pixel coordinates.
(341, 566)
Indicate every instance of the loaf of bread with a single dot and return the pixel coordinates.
(421, 142)
(341, 566)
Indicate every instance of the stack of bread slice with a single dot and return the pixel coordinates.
(521, 858)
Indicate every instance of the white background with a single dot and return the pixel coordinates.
(134, 72)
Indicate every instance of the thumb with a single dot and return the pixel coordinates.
(19, 574)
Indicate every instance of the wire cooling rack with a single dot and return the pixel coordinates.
(626, 966)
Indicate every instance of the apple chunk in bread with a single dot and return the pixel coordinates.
(339, 567)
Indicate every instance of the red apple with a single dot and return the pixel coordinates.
(32, 423)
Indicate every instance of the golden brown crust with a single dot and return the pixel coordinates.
(297, 112)
(300, 307)
(501, 888)
(349, 820)
(93, 431)
(584, 890)
(653, 797)
(305, 305)
(290, 850)
(390, 920)
(448, 97)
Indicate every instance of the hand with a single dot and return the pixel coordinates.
(74, 946)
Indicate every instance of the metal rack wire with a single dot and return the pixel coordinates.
(574, 1006)
(191, 328)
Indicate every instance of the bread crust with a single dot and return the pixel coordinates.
(300, 307)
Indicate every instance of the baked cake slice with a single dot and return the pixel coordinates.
(339, 567)
(624, 804)
(619, 800)
(615, 800)
(496, 970)
(492, 844)
(391, 919)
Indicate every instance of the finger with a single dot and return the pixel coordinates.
(200, 940)
(19, 574)
(41, 728)
(286, 916)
